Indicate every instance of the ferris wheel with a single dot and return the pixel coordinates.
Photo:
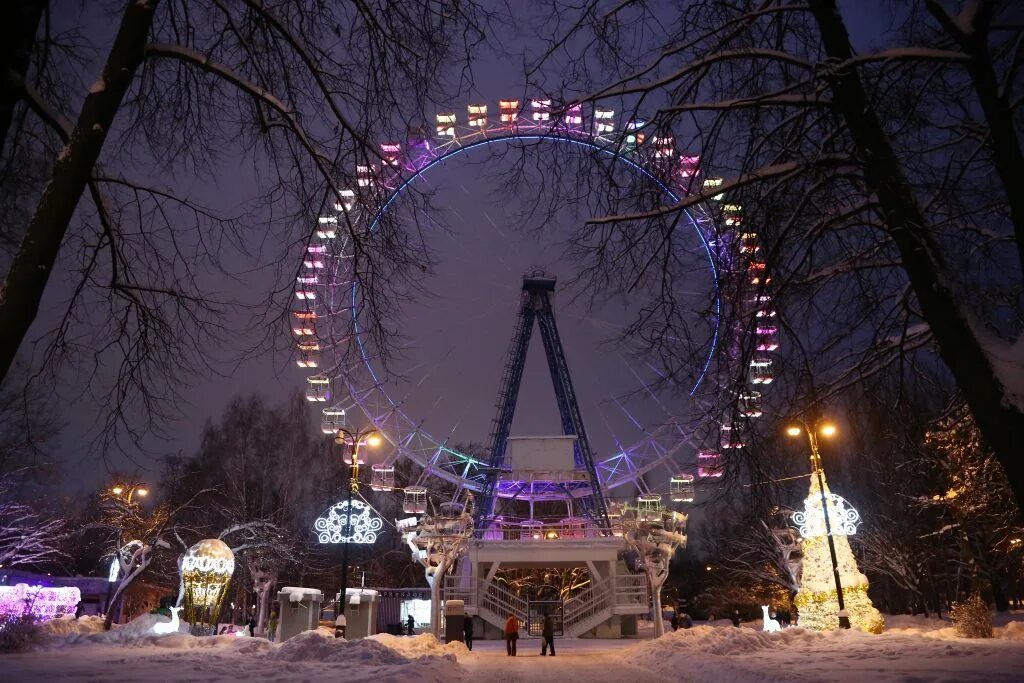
(327, 327)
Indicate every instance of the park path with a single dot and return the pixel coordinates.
(590, 661)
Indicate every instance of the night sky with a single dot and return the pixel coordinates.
(460, 333)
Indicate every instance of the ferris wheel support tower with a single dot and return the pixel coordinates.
(535, 304)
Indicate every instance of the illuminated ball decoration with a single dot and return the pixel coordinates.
(206, 570)
(335, 526)
(817, 601)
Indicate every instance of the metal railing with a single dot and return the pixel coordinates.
(540, 533)
(591, 601)
(588, 602)
(631, 589)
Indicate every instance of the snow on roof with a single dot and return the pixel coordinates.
(296, 594)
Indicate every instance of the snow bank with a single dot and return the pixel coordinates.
(741, 655)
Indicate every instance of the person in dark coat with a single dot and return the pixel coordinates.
(736, 618)
(252, 623)
(674, 621)
(548, 635)
(467, 631)
(410, 622)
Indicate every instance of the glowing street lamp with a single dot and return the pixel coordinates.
(128, 491)
(365, 437)
(828, 430)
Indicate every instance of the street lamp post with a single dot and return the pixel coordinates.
(123, 492)
(369, 437)
(827, 429)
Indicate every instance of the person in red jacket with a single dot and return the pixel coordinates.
(511, 635)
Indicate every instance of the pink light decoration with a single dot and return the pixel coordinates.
(43, 602)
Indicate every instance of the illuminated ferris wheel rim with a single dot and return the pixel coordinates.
(628, 465)
(617, 468)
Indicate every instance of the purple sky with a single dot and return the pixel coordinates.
(461, 335)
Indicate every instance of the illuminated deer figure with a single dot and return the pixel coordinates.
(170, 626)
(770, 625)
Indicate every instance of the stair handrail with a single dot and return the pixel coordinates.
(503, 600)
(596, 598)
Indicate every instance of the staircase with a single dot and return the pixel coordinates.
(586, 610)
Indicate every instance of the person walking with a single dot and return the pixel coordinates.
(272, 626)
(251, 623)
(511, 635)
(467, 631)
(548, 635)
(410, 623)
(340, 624)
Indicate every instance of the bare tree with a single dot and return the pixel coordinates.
(880, 182)
(297, 93)
(27, 536)
(137, 538)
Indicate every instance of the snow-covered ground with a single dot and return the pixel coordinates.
(912, 650)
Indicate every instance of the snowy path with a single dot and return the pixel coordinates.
(594, 661)
(912, 650)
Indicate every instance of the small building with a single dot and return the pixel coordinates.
(394, 605)
(360, 612)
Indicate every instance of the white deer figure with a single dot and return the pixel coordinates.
(770, 625)
(163, 628)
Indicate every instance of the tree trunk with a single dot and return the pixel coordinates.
(436, 582)
(30, 270)
(959, 347)
(17, 37)
(264, 583)
(656, 578)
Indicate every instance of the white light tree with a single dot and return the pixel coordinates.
(654, 533)
(818, 599)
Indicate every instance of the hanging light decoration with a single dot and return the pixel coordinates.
(335, 526)
(842, 517)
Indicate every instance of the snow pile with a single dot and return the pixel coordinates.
(138, 633)
(66, 625)
(383, 659)
(423, 645)
(1012, 631)
(315, 646)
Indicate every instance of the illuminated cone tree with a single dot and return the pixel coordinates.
(817, 599)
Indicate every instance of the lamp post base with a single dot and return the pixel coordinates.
(844, 619)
